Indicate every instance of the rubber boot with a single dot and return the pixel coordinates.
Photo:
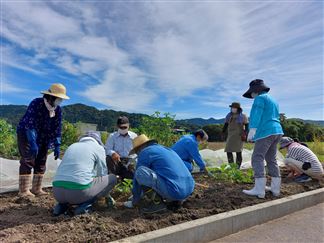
(37, 185)
(24, 185)
(275, 186)
(258, 189)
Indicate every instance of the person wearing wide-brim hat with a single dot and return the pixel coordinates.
(266, 131)
(235, 126)
(39, 130)
(160, 175)
(302, 163)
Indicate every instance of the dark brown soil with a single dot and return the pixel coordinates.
(24, 220)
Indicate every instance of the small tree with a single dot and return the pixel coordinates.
(70, 134)
(159, 127)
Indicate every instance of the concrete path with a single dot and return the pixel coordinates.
(305, 226)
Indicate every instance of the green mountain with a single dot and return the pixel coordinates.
(106, 119)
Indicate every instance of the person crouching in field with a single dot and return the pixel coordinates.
(235, 126)
(188, 149)
(39, 130)
(302, 163)
(82, 177)
(118, 146)
(160, 178)
(266, 132)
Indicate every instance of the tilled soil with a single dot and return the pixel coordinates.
(23, 220)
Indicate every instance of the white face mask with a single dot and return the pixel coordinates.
(58, 101)
(122, 131)
(253, 95)
(234, 110)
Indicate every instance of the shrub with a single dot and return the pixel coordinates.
(70, 134)
(159, 128)
(8, 140)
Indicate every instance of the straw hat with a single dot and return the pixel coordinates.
(57, 90)
(139, 141)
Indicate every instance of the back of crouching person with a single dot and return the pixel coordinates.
(82, 177)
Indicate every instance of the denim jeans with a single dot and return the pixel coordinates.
(147, 177)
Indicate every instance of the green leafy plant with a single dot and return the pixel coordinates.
(8, 140)
(125, 186)
(159, 127)
(230, 172)
(70, 134)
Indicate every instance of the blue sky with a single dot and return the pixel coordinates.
(190, 59)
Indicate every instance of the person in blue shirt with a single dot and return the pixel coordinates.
(160, 177)
(188, 149)
(266, 132)
(39, 130)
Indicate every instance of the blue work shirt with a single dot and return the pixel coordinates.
(168, 167)
(265, 117)
(188, 149)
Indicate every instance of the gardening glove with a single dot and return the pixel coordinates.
(306, 166)
(31, 137)
(251, 134)
(57, 148)
(128, 204)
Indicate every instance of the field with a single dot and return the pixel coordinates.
(24, 220)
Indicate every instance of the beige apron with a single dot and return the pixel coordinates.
(234, 131)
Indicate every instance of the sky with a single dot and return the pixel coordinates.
(192, 59)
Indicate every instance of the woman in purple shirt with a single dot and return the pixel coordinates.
(39, 130)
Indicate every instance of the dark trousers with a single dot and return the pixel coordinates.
(117, 168)
(27, 161)
(238, 158)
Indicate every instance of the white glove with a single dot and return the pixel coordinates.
(251, 134)
(128, 204)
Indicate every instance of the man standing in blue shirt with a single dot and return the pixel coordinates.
(188, 149)
(266, 132)
(160, 176)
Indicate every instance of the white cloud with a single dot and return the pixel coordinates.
(142, 51)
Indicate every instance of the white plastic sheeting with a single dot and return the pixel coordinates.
(9, 173)
(218, 157)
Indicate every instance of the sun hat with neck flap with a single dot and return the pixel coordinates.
(57, 90)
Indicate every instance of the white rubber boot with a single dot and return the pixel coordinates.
(275, 186)
(258, 189)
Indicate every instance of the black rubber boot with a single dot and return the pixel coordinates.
(154, 205)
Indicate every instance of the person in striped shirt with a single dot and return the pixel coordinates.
(301, 161)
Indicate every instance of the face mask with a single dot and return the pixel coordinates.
(58, 101)
(234, 110)
(253, 95)
(122, 131)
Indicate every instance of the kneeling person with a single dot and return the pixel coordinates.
(82, 177)
(160, 176)
(301, 161)
(188, 149)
